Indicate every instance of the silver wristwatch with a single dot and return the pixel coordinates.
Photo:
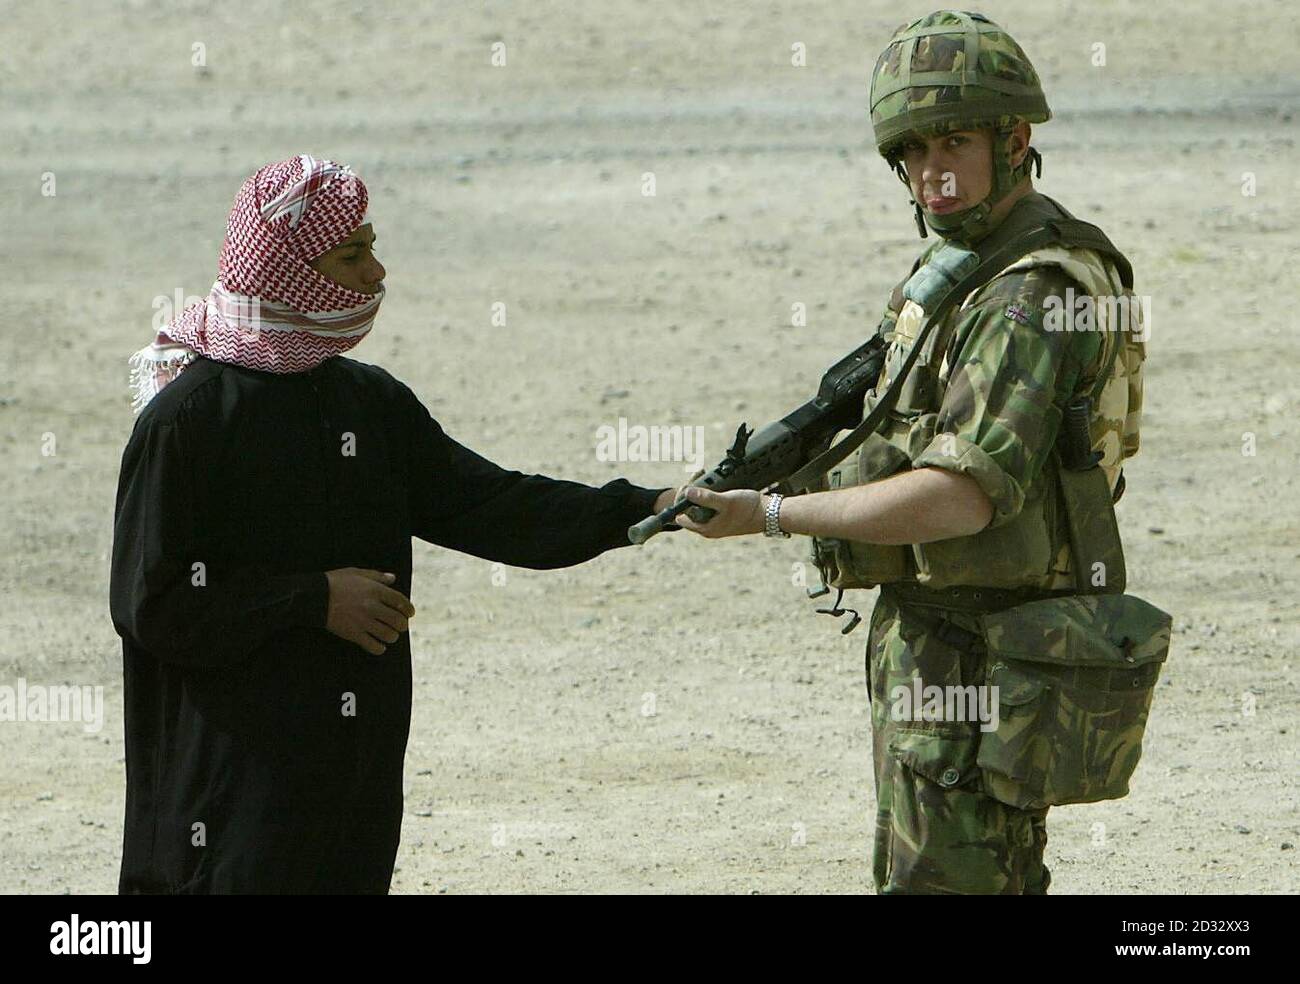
(772, 522)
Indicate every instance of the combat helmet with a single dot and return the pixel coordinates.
(954, 70)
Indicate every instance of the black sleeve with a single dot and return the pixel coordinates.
(463, 501)
(153, 597)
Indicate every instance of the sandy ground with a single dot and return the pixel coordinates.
(534, 764)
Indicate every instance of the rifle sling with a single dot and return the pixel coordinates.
(1009, 248)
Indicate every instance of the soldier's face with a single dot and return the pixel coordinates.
(950, 172)
(352, 263)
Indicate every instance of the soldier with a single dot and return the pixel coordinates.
(965, 505)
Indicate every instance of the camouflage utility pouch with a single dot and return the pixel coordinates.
(1075, 676)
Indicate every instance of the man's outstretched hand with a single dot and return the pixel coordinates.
(666, 498)
(364, 610)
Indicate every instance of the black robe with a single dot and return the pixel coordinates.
(236, 494)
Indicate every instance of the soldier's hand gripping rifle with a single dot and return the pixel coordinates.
(766, 458)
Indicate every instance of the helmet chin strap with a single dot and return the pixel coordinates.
(971, 224)
(916, 206)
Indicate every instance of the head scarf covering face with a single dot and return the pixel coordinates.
(268, 309)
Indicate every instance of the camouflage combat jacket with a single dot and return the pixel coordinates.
(985, 398)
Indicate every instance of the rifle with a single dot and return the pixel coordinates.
(777, 451)
(789, 455)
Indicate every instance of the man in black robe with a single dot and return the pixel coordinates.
(267, 667)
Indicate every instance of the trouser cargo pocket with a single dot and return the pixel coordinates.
(948, 760)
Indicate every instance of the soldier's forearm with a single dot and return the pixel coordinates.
(914, 507)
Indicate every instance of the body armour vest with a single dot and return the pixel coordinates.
(1055, 532)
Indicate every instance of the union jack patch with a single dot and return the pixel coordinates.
(1018, 313)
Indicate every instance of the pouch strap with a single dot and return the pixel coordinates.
(1093, 529)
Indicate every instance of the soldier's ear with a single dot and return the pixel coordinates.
(1018, 143)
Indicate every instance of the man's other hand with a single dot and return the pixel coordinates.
(364, 610)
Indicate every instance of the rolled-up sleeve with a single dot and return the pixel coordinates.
(1009, 380)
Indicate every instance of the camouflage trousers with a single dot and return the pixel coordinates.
(937, 831)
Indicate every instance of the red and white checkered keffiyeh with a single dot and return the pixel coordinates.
(269, 309)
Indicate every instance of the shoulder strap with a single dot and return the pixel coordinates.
(1086, 235)
(1037, 221)
(1076, 232)
(963, 270)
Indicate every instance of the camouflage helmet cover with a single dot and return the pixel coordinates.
(951, 70)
